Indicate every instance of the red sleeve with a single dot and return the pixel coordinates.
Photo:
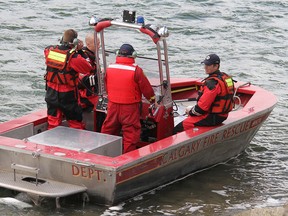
(208, 97)
(46, 51)
(144, 84)
(80, 65)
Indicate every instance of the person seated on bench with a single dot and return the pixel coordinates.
(215, 99)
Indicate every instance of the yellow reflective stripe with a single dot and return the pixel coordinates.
(229, 82)
(57, 56)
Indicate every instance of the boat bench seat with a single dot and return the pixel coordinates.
(24, 126)
(80, 140)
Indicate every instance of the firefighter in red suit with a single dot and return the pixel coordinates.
(215, 99)
(88, 83)
(63, 66)
(126, 83)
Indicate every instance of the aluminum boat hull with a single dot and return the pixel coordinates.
(57, 171)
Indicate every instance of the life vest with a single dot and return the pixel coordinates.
(223, 102)
(121, 85)
(58, 71)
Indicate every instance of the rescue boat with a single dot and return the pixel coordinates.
(64, 161)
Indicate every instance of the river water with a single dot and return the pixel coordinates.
(251, 38)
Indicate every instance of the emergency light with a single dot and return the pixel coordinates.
(129, 16)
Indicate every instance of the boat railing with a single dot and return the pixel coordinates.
(237, 98)
(156, 33)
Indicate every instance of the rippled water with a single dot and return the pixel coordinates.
(251, 39)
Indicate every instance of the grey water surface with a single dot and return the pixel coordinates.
(251, 38)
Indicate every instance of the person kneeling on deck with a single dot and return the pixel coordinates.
(126, 83)
(215, 98)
